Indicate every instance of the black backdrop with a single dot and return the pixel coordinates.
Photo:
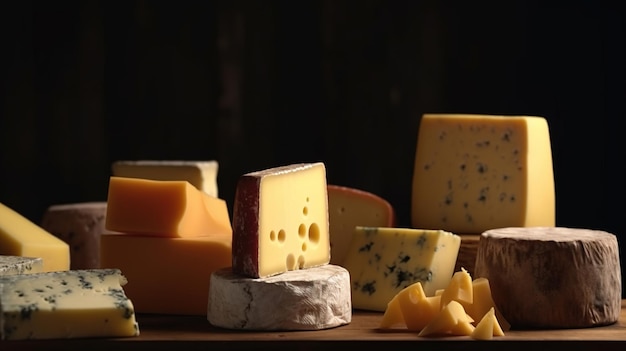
(255, 84)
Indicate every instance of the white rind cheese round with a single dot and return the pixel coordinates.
(552, 277)
(307, 299)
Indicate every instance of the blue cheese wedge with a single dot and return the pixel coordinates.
(66, 304)
(383, 261)
(10, 265)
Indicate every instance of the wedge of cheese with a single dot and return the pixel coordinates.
(186, 264)
(477, 172)
(383, 261)
(348, 208)
(165, 208)
(21, 237)
(201, 174)
(280, 220)
(65, 304)
(79, 225)
(10, 265)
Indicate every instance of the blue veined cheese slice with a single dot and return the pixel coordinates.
(10, 265)
(382, 261)
(66, 304)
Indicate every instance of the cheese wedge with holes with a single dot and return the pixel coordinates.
(79, 225)
(383, 261)
(306, 299)
(477, 172)
(66, 304)
(185, 263)
(201, 174)
(21, 237)
(10, 265)
(280, 220)
(572, 276)
(348, 208)
(168, 208)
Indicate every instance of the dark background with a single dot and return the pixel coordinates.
(256, 84)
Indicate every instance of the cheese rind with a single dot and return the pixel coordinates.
(65, 304)
(79, 225)
(349, 207)
(477, 172)
(177, 269)
(280, 220)
(552, 277)
(10, 265)
(383, 261)
(308, 299)
(164, 208)
(201, 174)
(21, 237)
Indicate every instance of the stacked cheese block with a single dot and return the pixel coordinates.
(171, 232)
(41, 298)
(478, 172)
(281, 277)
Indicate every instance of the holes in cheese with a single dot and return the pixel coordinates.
(21, 237)
(477, 172)
(280, 220)
(201, 174)
(164, 208)
(349, 208)
(383, 261)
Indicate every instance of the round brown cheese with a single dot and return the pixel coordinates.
(552, 277)
(306, 299)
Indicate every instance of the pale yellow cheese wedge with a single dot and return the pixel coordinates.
(21, 237)
(459, 289)
(488, 327)
(447, 321)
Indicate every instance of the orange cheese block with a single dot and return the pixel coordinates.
(349, 208)
(166, 275)
(164, 208)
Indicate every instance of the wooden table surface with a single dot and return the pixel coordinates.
(183, 333)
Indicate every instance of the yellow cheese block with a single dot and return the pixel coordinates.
(477, 172)
(21, 237)
(349, 208)
(201, 174)
(166, 275)
(280, 220)
(164, 208)
(383, 261)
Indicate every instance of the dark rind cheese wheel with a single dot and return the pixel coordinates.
(552, 277)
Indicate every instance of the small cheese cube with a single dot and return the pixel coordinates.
(21, 237)
(350, 207)
(280, 220)
(452, 320)
(487, 327)
(185, 263)
(10, 265)
(477, 172)
(79, 225)
(201, 174)
(65, 304)
(164, 208)
(417, 308)
(460, 289)
(383, 261)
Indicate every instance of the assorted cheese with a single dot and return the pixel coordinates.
(65, 304)
(80, 226)
(185, 263)
(172, 208)
(349, 208)
(21, 237)
(477, 172)
(10, 265)
(552, 277)
(383, 261)
(280, 220)
(201, 174)
(306, 299)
